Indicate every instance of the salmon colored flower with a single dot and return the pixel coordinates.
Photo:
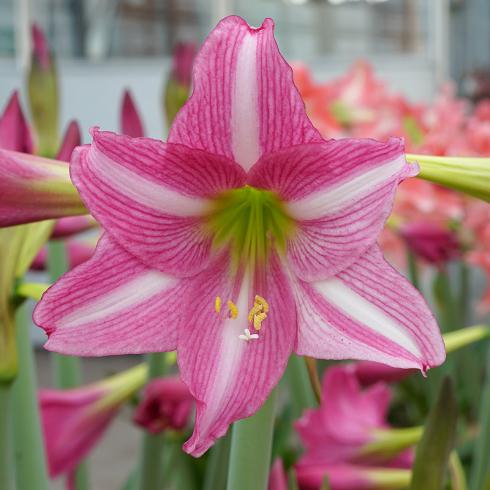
(166, 404)
(242, 239)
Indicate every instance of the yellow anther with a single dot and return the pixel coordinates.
(255, 309)
(217, 304)
(232, 308)
(262, 302)
(258, 319)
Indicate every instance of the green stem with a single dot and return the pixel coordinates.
(250, 453)
(5, 462)
(30, 461)
(216, 469)
(301, 392)
(413, 270)
(480, 470)
(151, 477)
(66, 369)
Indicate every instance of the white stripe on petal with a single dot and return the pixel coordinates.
(366, 313)
(244, 109)
(131, 293)
(325, 202)
(144, 191)
(230, 355)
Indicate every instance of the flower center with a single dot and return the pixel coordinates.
(250, 222)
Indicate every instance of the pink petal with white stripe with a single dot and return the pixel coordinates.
(33, 188)
(231, 377)
(112, 304)
(244, 102)
(339, 192)
(371, 312)
(15, 134)
(151, 196)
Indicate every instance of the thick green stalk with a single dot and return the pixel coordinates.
(250, 453)
(480, 471)
(151, 477)
(66, 369)
(216, 469)
(300, 390)
(5, 462)
(30, 460)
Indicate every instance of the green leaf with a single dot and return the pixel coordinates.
(432, 455)
(480, 473)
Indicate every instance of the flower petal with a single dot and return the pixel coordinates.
(71, 139)
(244, 102)
(34, 189)
(230, 377)
(15, 134)
(131, 123)
(111, 304)
(371, 312)
(151, 196)
(340, 192)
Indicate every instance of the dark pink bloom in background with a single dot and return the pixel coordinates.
(431, 242)
(71, 139)
(15, 133)
(40, 48)
(244, 238)
(166, 404)
(131, 123)
(182, 61)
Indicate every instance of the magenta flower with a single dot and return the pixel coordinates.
(15, 134)
(71, 139)
(242, 239)
(131, 123)
(74, 420)
(183, 59)
(277, 476)
(78, 252)
(431, 242)
(40, 49)
(166, 404)
(339, 435)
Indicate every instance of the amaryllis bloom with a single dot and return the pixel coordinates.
(74, 420)
(166, 404)
(352, 477)
(431, 242)
(15, 134)
(77, 250)
(71, 139)
(33, 188)
(277, 476)
(347, 421)
(40, 50)
(130, 120)
(178, 85)
(244, 238)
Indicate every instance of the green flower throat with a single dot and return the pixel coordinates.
(250, 222)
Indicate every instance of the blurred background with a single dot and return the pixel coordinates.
(103, 46)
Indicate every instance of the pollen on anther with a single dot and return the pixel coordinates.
(217, 304)
(232, 308)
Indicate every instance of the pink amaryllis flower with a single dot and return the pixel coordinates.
(242, 239)
(166, 404)
(74, 420)
(130, 120)
(15, 133)
(340, 435)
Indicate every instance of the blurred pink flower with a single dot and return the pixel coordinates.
(72, 225)
(431, 242)
(130, 121)
(40, 49)
(15, 133)
(78, 252)
(71, 139)
(182, 62)
(166, 404)
(337, 434)
(277, 476)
